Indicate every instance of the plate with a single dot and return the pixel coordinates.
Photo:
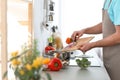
(84, 56)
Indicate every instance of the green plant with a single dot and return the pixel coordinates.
(27, 64)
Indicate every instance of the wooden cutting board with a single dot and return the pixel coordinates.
(73, 46)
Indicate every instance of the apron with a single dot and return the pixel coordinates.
(111, 55)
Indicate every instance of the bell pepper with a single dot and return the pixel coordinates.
(55, 64)
(48, 48)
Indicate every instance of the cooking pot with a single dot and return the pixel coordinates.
(62, 55)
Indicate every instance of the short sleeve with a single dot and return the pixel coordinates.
(116, 12)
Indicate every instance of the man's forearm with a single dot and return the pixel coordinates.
(97, 29)
(108, 41)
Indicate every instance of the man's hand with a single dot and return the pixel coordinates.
(85, 47)
(76, 34)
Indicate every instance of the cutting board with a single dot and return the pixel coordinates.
(73, 46)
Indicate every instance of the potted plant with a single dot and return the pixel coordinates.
(27, 64)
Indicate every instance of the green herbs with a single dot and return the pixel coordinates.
(83, 63)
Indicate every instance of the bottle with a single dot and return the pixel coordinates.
(49, 46)
(51, 6)
(58, 44)
(51, 16)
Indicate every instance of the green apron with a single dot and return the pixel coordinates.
(111, 55)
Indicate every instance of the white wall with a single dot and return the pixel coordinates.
(37, 20)
(71, 15)
(40, 33)
(78, 14)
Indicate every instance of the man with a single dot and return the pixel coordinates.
(110, 27)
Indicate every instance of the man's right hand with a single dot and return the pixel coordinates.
(76, 34)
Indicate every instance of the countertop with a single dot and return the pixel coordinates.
(75, 73)
(96, 71)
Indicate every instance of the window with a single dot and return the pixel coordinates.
(15, 29)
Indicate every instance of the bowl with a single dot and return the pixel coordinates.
(83, 63)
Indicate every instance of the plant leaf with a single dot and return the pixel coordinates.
(48, 76)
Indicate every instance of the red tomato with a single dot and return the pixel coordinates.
(68, 40)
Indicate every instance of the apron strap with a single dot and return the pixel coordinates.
(108, 4)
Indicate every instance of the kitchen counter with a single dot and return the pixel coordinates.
(75, 73)
(95, 72)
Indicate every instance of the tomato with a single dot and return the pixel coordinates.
(68, 40)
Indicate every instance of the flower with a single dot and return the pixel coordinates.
(28, 67)
(27, 63)
(14, 54)
(46, 61)
(21, 72)
(15, 62)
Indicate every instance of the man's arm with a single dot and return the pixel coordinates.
(97, 29)
(110, 40)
